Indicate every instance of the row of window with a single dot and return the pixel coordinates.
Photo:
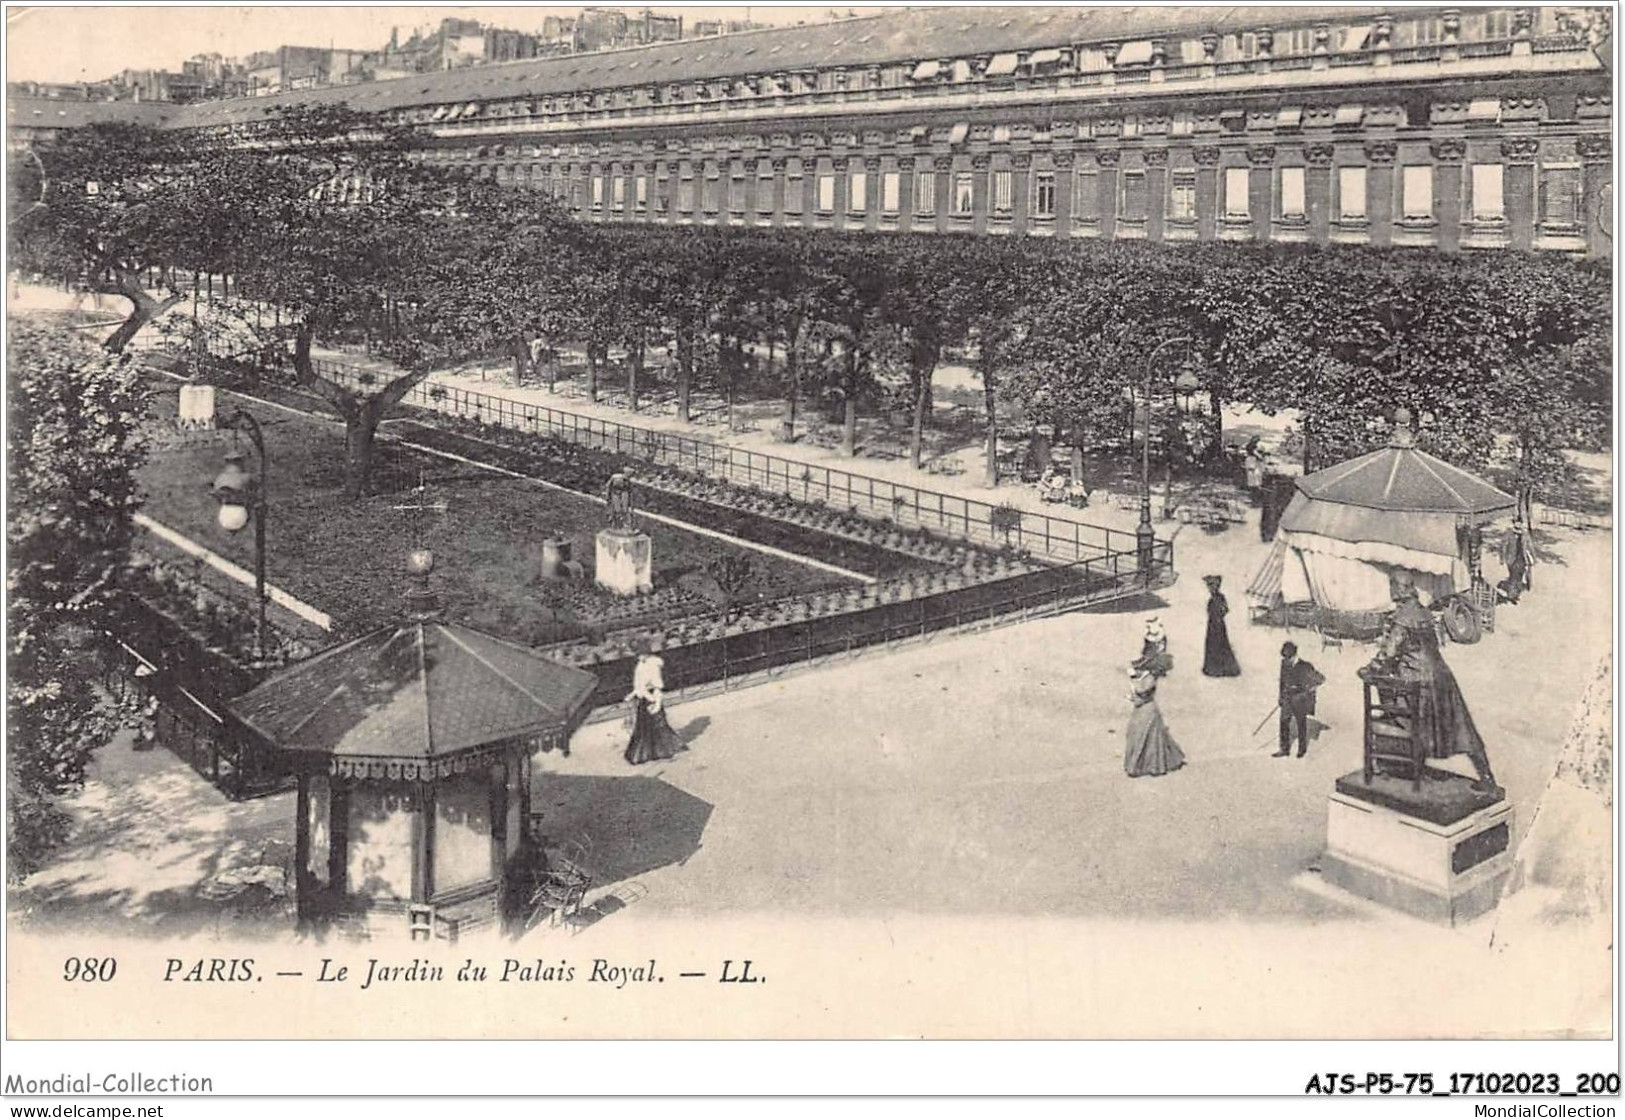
(1483, 196)
(1406, 33)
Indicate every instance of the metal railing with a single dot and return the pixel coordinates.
(908, 506)
(754, 655)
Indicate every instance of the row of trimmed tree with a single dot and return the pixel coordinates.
(1505, 356)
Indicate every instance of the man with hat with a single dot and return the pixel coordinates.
(1299, 681)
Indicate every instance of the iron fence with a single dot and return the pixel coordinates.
(1054, 538)
(155, 656)
(750, 656)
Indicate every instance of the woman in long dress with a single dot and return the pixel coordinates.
(1218, 660)
(652, 735)
(1151, 751)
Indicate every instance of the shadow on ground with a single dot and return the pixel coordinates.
(630, 825)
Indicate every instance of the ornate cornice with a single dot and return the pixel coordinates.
(1108, 157)
(942, 163)
(1064, 159)
(1448, 151)
(1520, 150)
(871, 164)
(905, 163)
(1381, 152)
(1595, 148)
(981, 161)
(1205, 156)
(1156, 157)
(1319, 155)
(1261, 154)
(1021, 161)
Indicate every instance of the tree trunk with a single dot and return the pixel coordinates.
(685, 374)
(1080, 434)
(634, 370)
(143, 310)
(990, 400)
(360, 426)
(1215, 450)
(792, 361)
(922, 398)
(849, 427)
(521, 360)
(592, 372)
(302, 364)
(1306, 444)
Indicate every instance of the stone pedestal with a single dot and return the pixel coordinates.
(555, 554)
(1440, 853)
(197, 406)
(625, 562)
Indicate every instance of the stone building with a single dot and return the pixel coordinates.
(1458, 128)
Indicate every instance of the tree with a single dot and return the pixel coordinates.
(75, 443)
(916, 306)
(118, 207)
(986, 286)
(340, 226)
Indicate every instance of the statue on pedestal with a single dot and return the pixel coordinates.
(1409, 653)
(618, 496)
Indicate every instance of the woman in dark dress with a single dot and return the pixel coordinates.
(652, 735)
(1219, 659)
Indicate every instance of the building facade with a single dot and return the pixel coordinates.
(1458, 129)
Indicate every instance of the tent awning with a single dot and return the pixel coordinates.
(1401, 478)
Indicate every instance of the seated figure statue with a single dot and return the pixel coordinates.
(1409, 652)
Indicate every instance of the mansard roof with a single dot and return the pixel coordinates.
(893, 37)
(56, 112)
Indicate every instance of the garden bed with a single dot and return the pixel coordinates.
(347, 558)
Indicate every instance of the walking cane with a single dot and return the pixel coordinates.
(1266, 719)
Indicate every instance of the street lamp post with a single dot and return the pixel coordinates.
(1145, 537)
(242, 499)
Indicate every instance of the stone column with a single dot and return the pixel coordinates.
(1107, 159)
(1519, 152)
(1156, 192)
(780, 164)
(1317, 191)
(1020, 176)
(1380, 190)
(1261, 189)
(945, 187)
(1447, 171)
(1596, 153)
(1207, 191)
(1065, 184)
(905, 193)
(871, 197)
(840, 166)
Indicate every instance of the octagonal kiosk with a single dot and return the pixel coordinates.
(413, 746)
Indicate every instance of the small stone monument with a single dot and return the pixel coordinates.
(625, 556)
(555, 555)
(197, 407)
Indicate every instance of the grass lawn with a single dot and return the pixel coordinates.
(348, 559)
